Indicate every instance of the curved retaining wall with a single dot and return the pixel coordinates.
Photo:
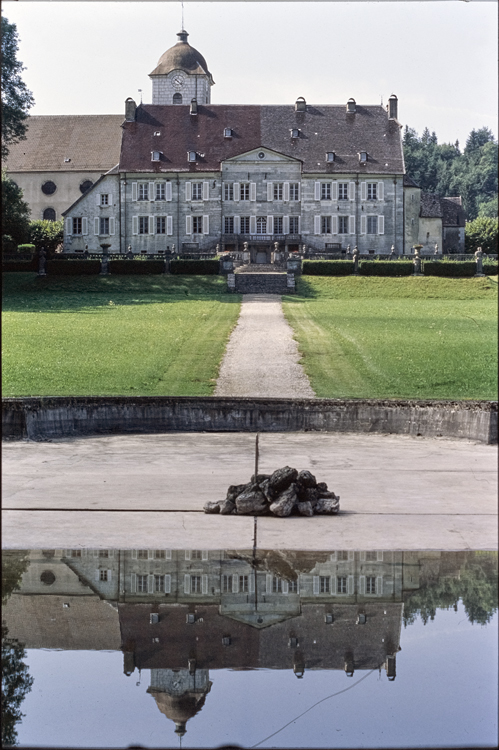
(61, 417)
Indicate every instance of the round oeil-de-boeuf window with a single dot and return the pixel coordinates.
(49, 187)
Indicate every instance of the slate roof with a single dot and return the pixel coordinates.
(322, 128)
(409, 182)
(430, 206)
(92, 142)
(181, 57)
(453, 212)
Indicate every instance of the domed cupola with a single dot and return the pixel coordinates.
(181, 75)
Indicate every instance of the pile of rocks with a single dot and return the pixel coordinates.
(283, 493)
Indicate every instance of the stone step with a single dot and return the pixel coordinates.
(260, 268)
(264, 283)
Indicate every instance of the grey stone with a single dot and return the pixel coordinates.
(322, 486)
(266, 489)
(310, 495)
(306, 479)
(236, 489)
(282, 478)
(285, 502)
(212, 507)
(227, 507)
(305, 509)
(251, 502)
(327, 506)
(259, 478)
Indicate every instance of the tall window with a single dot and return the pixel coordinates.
(77, 225)
(245, 224)
(343, 191)
(261, 225)
(159, 554)
(243, 584)
(197, 225)
(277, 224)
(372, 191)
(324, 584)
(278, 188)
(160, 191)
(195, 584)
(197, 191)
(228, 191)
(104, 199)
(372, 225)
(293, 587)
(103, 553)
(143, 224)
(276, 585)
(104, 225)
(142, 584)
(341, 584)
(244, 191)
(370, 584)
(196, 554)
(229, 225)
(294, 191)
(160, 224)
(143, 191)
(293, 224)
(342, 556)
(177, 98)
(325, 225)
(342, 224)
(142, 554)
(49, 214)
(159, 584)
(325, 191)
(226, 584)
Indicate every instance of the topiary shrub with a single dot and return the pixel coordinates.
(209, 267)
(452, 268)
(131, 267)
(73, 268)
(386, 268)
(25, 249)
(327, 267)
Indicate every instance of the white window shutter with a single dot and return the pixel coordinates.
(333, 584)
(134, 583)
(252, 224)
(285, 191)
(251, 582)
(168, 583)
(188, 224)
(84, 225)
(187, 584)
(97, 575)
(299, 225)
(351, 191)
(379, 556)
(204, 554)
(381, 224)
(206, 191)
(363, 224)
(206, 224)
(187, 554)
(334, 190)
(381, 191)
(96, 225)
(97, 199)
(285, 224)
(268, 583)
(316, 585)
(362, 556)
(69, 226)
(237, 225)
(299, 191)
(285, 587)
(150, 191)
(317, 224)
(351, 224)
(237, 191)
(334, 224)
(134, 191)
(135, 224)
(204, 584)
(151, 225)
(362, 585)
(351, 555)
(110, 198)
(363, 191)
(317, 195)
(134, 554)
(379, 585)
(270, 225)
(111, 225)
(252, 191)
(150, 584)
(150, 554)
(169, 225)
(270, 191)
(168, 191)
(188, 191)
(350, 585)
(235, 583)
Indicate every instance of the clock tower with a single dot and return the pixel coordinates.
(181, 75)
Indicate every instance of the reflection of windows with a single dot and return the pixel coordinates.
(341, 583)
(102, 575)
(159, 584)
(142, 582)
(159, 554)
(226, 584)
(245, 224)
(324, 584)
(293, 587)
(75, 553)
(342, 556)
(276, 585)
(370, 584)
(371, 556)
(103, 553)
(195, 584)
(243, 584)
(142, 554)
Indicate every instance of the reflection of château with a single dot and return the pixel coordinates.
(182, 613)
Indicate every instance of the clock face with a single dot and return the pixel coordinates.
(178, 81)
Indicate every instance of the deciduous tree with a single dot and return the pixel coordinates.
(16, 97)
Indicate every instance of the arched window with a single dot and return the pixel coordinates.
(49, 214)
(177, 98)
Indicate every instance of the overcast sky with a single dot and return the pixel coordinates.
(439, 58)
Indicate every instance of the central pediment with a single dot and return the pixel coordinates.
(262, 155)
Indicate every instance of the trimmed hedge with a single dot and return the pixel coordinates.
(26, 248)
(327, 267)
(456, 268)
(73, 268)
(136, 267)
(209, 267)
(386, 268)
(19, 265)
(490, 268)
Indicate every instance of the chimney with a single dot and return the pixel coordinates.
(130, 109)
(392, 107)
(351, 109)
(300, 104)
(194, 107)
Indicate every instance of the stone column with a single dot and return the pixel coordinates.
(479, 262)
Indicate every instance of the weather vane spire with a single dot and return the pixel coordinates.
(182, 3)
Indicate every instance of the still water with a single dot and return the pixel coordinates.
(197, 648)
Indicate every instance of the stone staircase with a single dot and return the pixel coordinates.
(262, 283)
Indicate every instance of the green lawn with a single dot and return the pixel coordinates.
(116, 335)
(374, 337)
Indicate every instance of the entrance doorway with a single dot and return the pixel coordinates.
(261, 256)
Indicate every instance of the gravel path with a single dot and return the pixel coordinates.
(262, 357)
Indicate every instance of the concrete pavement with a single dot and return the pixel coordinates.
(397, 492)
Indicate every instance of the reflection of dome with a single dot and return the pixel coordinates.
(179, 694)
(182, 57)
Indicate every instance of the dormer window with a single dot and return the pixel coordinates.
(157, 132)
(295, 133)
(227, 132)
(155, 155)
(363, 157)
(330, 156)
(191, 156)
